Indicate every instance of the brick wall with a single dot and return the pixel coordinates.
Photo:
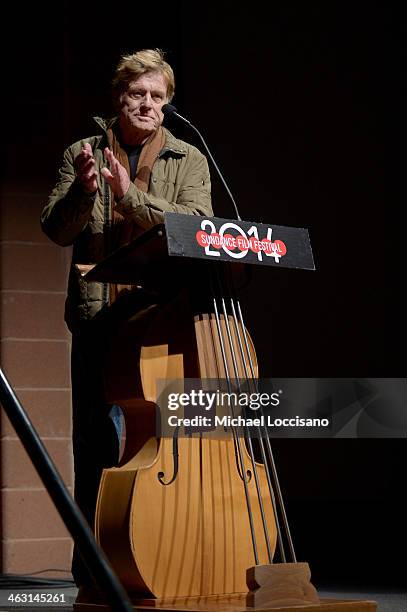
(34, 353)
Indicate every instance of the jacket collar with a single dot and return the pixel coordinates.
(105, 124)
(172, 144)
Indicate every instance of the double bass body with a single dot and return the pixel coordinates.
(173, 516)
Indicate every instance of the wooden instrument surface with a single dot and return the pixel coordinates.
(191, 537)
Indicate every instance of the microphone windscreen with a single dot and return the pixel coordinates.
(168, 109)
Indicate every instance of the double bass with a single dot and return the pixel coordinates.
(189, 517)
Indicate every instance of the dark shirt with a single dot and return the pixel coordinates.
(133, 153)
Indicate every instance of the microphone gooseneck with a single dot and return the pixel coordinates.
(169, 109)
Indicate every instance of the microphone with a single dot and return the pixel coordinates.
(170, 110)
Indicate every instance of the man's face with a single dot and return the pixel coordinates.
(140, 112)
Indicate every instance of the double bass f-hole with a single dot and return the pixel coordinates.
(175, 460)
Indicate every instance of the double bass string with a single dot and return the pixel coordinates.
(249, 381)
(252, 380)
(237, 440)
(269, 449)
(248, 438)
(241, 326)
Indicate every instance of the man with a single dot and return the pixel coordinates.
(111, 188)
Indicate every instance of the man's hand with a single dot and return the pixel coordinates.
(85, 169)
(117, 176)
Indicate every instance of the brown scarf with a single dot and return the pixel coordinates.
(149, 153)
(124, 229)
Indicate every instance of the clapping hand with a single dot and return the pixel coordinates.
(117, 176)
(86, 170)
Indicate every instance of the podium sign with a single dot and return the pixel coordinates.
(152, 256)
(216, 239)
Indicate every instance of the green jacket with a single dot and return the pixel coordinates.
(180, 182)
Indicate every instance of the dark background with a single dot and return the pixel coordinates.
(302, 107)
